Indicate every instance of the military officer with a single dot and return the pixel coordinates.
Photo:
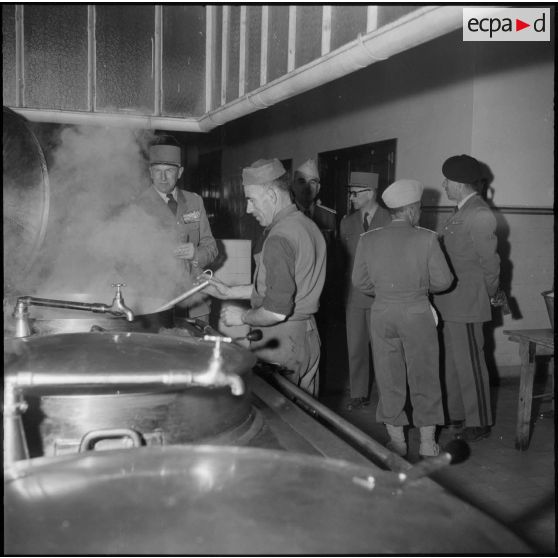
(469, 240)
(306, 187)
(400, 264)
(368, 214)
(183, 215)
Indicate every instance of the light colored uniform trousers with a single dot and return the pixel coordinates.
(357, 322)
(295, 345)
(405, 350)
(466, 374)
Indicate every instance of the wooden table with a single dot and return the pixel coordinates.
(531, 342)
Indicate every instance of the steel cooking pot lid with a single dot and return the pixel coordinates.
(225, 500)
(104, 353)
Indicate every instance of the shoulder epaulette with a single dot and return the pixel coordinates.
(425, 229)
(372, 230)
(319, 204)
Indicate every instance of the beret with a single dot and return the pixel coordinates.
(164, 155)
(463, 169)
(402, 192)
(262, 171)
(364, 179)
(309, 169)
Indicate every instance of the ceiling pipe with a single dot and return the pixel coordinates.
(418, 27)
(104, 119)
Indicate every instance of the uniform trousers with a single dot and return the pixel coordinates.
(357, 322)
(466, 374)
(405, 351)
(294, 345)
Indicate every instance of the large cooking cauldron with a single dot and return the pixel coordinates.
(218, 501)
(59, 417)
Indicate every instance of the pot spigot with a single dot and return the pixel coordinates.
(21, 315)
(215, 376)
(15, 443)
(118, 306)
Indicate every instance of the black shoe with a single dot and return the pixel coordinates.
(454, 426)
(357, 403)
(473, 433)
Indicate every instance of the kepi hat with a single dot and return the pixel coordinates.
(402, 192)
(364, 180)
(164, 155)
(262, 171)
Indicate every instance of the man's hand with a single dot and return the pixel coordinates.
(232, 316)
(184, 251)
(218, 289)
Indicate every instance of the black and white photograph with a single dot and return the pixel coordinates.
(278, 279)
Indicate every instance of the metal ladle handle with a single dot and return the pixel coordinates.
(208, 273)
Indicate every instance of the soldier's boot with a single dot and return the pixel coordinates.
(428, 446)
(396, 442)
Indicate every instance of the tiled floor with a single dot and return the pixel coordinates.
(517, 488)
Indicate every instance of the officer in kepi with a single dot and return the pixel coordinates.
(182, 214)
(288, 280)
(400, 264)
(367, 214)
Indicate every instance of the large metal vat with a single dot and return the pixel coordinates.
(206, 500)
(59, 416)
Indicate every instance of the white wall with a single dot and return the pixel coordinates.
(513, 121)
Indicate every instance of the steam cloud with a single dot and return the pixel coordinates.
(96, 236)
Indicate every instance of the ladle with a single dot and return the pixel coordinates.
(208, 273)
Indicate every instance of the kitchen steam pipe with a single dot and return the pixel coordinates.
(391, 460)
(417, 27)
(104, 119)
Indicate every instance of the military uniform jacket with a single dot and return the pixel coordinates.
(350, 230)
(400, 263)
(326, 219)
(189, 225)
(469, 240)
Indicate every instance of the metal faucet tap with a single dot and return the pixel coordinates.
(118, 303)
(214, 376)
(21, 310)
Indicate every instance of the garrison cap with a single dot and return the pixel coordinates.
(309, 170)
(262, 171)
(402, 192)
(364, 179)
(164, 155)
(463, 169)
